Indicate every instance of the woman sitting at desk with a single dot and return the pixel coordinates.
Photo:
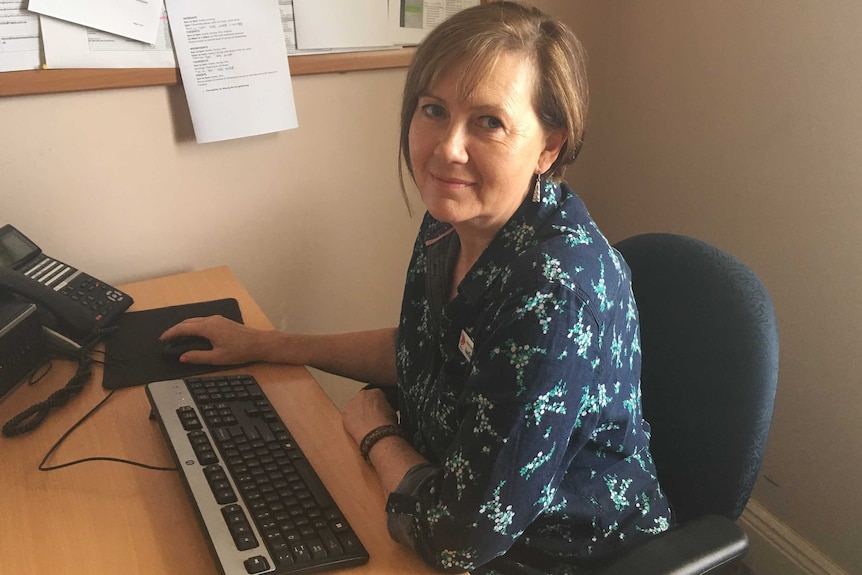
(521, 447)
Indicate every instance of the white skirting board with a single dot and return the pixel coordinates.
(777, 549)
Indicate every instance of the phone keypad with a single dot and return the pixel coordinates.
(98, 297)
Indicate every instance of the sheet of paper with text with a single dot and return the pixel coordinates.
(69, 45)
(19, 37)
(234, 68)
(136, 19)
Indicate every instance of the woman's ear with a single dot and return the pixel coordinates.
(554, 142)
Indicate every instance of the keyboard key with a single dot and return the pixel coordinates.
(318, 551)
(331, 542)
(202, 447)
(256, 564)
(245, 542)
(349, 542)
(283, 557)
(221, 487)
(188, 418)
(300, 551)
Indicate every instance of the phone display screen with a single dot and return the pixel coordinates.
(15, 247)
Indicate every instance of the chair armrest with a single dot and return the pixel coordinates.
(693, 548)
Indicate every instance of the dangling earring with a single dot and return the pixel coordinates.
(537, 189)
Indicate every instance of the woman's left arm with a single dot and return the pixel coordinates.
(391, 456)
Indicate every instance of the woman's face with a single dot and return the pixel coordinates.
(474, 159)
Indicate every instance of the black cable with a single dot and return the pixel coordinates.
(36, 376)
(35, 415)
(32, 417)
(43, 467)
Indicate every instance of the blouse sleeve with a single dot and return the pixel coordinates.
(530, 402)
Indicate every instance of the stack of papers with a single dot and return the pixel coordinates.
(232, 55)
(136, 34)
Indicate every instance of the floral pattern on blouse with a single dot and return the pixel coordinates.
(523, 392)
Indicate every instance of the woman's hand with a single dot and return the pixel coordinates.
(392, 456)
(232, 342)
(368, 410)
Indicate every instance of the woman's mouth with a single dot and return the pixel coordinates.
(450, 181)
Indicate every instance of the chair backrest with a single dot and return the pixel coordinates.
(709, 345)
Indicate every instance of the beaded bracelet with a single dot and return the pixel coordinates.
(375, 435)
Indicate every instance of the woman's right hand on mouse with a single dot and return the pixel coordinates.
(233, 343)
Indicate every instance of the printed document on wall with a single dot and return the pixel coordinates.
(69, 45)
(234, 67)
(411, 20)
(136, 19)
(322, 24)
(19, 37)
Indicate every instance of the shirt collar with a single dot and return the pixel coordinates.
(516, 235)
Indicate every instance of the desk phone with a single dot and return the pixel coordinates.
(71, 303)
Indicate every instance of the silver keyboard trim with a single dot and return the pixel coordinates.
(168, 396)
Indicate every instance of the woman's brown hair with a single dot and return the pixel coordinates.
(475, 38)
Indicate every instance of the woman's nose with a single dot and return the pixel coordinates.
(453, 145)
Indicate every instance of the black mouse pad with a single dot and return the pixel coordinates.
(133, 353)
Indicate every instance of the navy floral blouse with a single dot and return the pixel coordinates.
(523, 392)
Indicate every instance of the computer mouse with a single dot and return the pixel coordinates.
(176, 346)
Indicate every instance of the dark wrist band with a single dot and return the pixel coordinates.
(374, 436)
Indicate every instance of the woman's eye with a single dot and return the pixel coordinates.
(490, 122)
(433, 110)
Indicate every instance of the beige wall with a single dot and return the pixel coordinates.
(311, 220)
(740, 123)
(732, 121)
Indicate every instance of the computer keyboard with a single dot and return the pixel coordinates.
(262, 506)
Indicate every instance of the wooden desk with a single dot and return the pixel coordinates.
(111, 518)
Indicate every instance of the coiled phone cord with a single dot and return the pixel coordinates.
(33, 416)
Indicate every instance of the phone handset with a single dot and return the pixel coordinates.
(74, 319)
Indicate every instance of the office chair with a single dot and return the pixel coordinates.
(710, 368)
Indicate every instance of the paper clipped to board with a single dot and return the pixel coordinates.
(412, 20)
(234, 67)
(19, 37)
(136, 19)
(69, 45)
(323, 24)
